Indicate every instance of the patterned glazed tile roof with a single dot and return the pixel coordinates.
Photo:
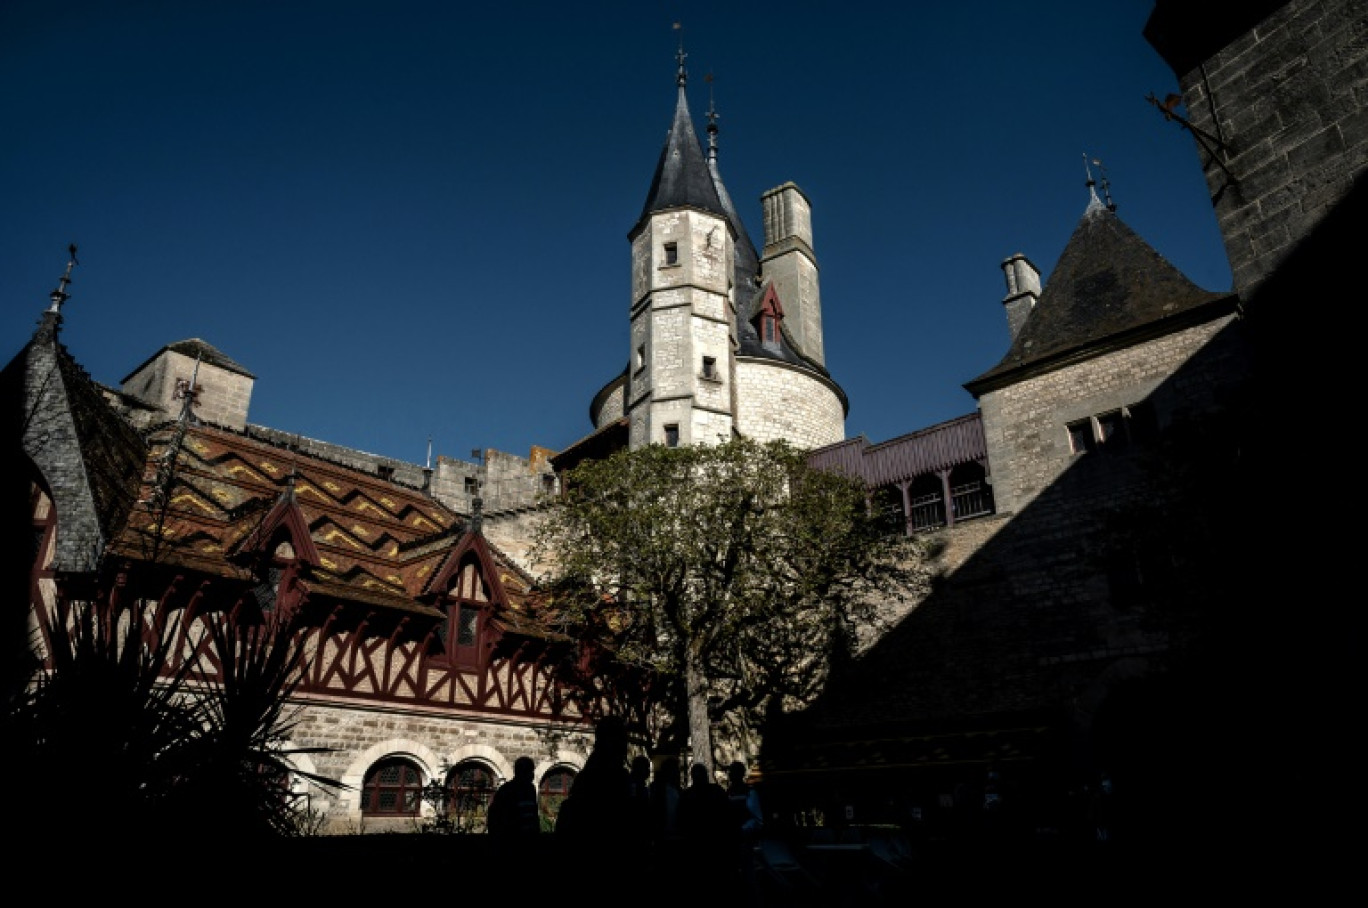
(376, 541)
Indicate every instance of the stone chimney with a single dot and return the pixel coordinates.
(1023, 289)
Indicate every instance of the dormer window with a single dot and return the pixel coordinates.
(671, 253)
(466, 603)
(276, 577)
(767, 317)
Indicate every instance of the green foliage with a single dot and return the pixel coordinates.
(144, 752)
(733, 578)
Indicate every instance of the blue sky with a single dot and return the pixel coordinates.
(409, 219)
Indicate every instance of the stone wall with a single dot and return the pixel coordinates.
(1025, 423)
(1289, 101)
(776, 400)
(358, 737)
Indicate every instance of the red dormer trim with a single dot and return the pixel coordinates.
(284, 519)
(444, 589)
(769, 315)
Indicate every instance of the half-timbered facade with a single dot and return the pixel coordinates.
(420, 665)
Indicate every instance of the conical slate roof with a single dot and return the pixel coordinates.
(682, 178)
(1108, 282)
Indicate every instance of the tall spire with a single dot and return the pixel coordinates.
(682, 178)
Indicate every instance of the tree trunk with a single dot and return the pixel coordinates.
(700, 729)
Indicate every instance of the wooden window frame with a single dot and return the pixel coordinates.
(407, 790)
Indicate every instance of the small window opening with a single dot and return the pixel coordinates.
(769, 330)
(672, 253)
(1081, 438)
(1110, 429)
(640, 357)
(710, 367)
(470, 485)
(385, 471)
(672, 436)
(466, 626)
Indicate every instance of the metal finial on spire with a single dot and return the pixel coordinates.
(60, 295)
(1093, 201)
(1106, 185)
(713, 117)
(683, 77)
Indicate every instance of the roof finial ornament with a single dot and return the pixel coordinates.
(682, 78)
(1106, 185)
(60, 295)
(1094, 203)
(713, 117)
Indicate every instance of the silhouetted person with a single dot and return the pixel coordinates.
(746, 821)
(665, 795)
(595, 819)
(639, 777)
(709, 842)
(514, 812)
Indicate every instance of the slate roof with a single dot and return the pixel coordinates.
(194, 348)
(1107, 285)
(682, 178)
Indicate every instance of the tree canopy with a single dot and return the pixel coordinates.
(714, 587)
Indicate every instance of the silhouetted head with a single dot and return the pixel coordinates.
(699, 774)
(523, 768)
(669, 770)
(641, 768)
(736, 773)
(611, 734)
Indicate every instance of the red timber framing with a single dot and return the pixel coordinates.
(373, 575)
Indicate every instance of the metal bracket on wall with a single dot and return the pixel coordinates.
(1211, 144)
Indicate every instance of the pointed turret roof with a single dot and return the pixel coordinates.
(682, 177)
(1109, 289)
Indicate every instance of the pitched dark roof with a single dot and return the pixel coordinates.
(1108, 283)
(193, 347)
(682, 178)
(746, 268)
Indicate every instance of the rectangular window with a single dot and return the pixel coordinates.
(1081, 437)
(710, 367)
(1111, 429)
(769, 330)
(672, 253)
(470, 485)
(640, 357)
(672, 436)
(385, 471)
(467, 625)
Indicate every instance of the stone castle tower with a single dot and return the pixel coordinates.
(724, 341)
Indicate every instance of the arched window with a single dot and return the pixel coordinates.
(554, 788)
(470, 787)
(393, 788)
